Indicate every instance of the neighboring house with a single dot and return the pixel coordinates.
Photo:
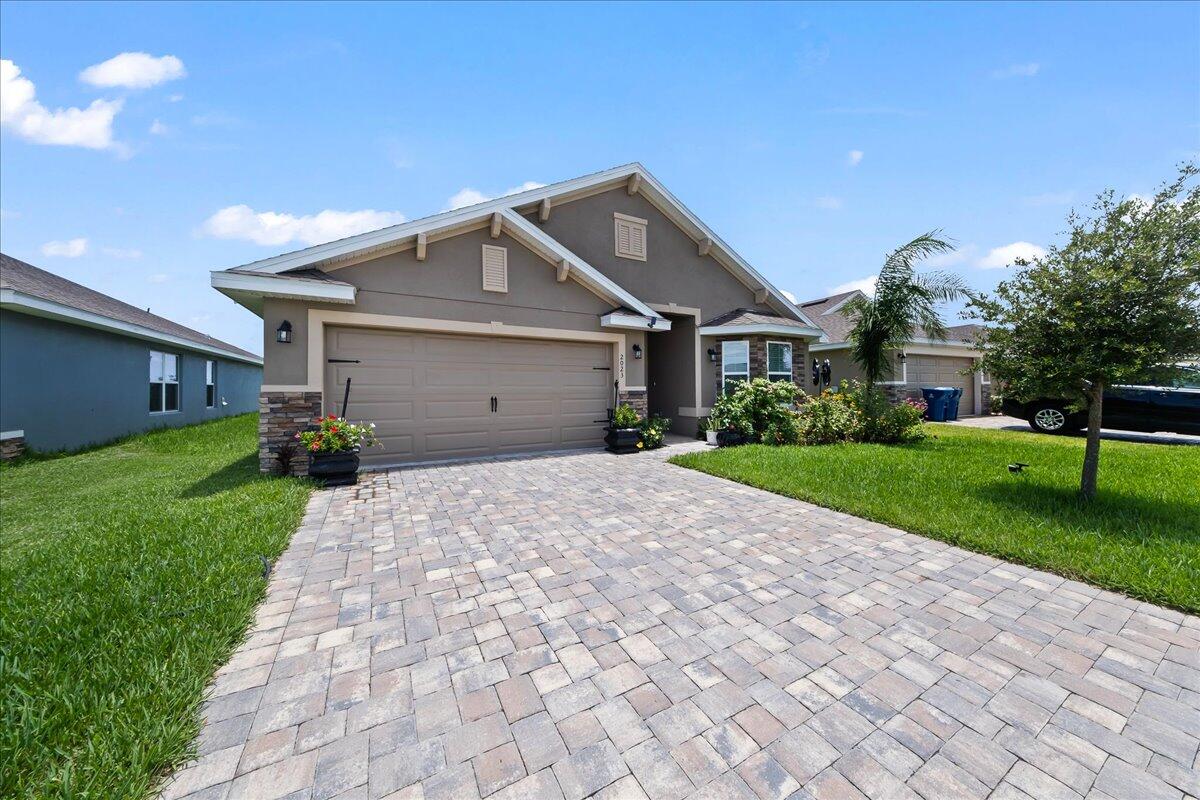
(79, 368)
(923, 362)
(516, 324)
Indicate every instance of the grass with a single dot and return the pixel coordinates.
(1140, 536)
(129, 573)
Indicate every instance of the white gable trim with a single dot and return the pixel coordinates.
(760, 328)
(480, 214)
(843, 301)
(554, 251)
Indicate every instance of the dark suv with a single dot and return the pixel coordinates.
(1175, 408)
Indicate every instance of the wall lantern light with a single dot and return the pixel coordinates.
(902, 356)
(283, 334)
(637, 351)
(712, 355)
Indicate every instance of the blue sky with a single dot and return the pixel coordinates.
(813, 138)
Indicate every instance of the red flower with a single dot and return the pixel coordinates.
(333, 429)
(331, 416)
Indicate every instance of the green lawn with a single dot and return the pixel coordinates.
(1141, 535)
(129, 573)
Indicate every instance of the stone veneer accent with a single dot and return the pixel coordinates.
(758, 358)
(281, 415)
(12, 447)
(637, 399)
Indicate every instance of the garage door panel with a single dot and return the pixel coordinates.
(455, 444)
(462, 377)
(929, 371)
(430, 394)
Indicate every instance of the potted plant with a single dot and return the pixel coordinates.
(333, 449)
(712, 426)
(623, 434)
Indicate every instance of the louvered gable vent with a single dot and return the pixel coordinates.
(495, 268)
(630, 236)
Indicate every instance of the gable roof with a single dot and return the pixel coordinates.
(448, 223)
(827, 313)
(24, 287)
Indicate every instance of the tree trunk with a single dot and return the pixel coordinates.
(1091, 453)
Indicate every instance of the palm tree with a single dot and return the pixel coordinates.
(904, 301)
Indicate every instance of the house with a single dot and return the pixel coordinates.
(517, 324)
(923, 362)
(79, 368)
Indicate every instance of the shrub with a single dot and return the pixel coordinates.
(783, 432)
(702, 428)
(625, 417)
(653, 430)
(996, 404)
(828, 419)
(336, 435)
(856, 414)
(755, 406)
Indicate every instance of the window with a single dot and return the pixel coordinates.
(164, 382)
(985, 378)
(631, 237)
(899, 375)
(735, 364)
(210, 384)
(495, 268)
(779, 361)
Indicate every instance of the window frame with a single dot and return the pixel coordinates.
(163, 383)
(724, 355)
(620, 219)
(210, 383)
(791, 371)
(903, 376)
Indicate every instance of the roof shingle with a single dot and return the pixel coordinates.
(30, 280)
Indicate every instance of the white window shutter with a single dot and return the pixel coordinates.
(495, 268)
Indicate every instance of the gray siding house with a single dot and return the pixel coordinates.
(79, 368)
(517, 324)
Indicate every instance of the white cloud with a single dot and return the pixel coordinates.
(134, 71)
(121, 252)
(791, 297)
(854, 157)
(469, 197)
(999, 257)
(1027, 70)
(158, 277)
(828, 202)
(955, 257)
(174, 98)
(157, 128)
(866, 285)
(274, 228)
(71, 248)
(72, 127)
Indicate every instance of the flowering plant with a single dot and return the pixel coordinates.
(336, 435)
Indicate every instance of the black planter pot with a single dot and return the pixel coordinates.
(334, 469)
(622, 440)
(730, 439)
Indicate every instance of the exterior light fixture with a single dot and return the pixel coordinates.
(652, 322)
(283, 334)
(712, 355)
(637, 351)
(902, 356)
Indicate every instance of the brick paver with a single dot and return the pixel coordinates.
(586, 624)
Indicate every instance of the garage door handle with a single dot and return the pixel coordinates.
(344, 361)
(495, 405)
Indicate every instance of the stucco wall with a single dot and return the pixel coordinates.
(69, 387)
(673, 271)
(448, 286)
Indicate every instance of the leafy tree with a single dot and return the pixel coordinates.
(1120, 299)
(904, 301)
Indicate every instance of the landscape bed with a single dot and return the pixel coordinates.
(1140, 536)
(130, 573)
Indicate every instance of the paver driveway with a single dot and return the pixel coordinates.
(585, 624)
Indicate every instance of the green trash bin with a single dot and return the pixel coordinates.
(935, 400)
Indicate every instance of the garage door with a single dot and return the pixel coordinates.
(430, 395)
(929, 371)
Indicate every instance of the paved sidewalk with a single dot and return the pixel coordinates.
(1014, 424)
(592, 625)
